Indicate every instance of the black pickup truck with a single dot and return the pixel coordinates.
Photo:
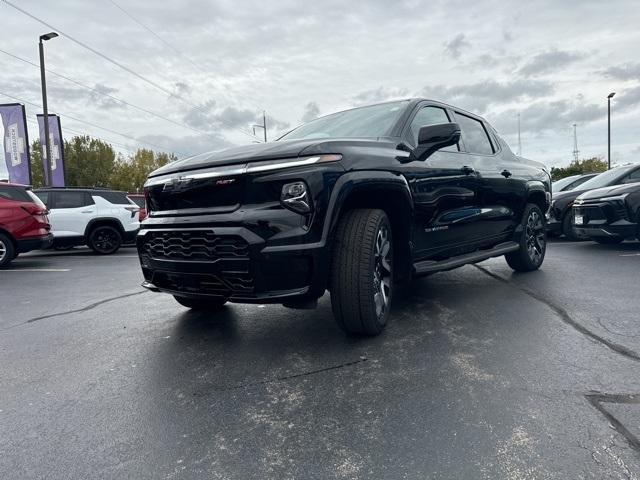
(354, 203)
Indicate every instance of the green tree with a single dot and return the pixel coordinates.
(578, 167)
(130, 173)
(37, 169)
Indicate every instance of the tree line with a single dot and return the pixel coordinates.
(90, 162)
(578, 167)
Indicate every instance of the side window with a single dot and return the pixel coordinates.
(633, 177)
(474, 135)
(13, 193)
(44, 197)
(429, 116)
(70, 199)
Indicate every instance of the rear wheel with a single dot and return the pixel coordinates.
(207, 305)
(7, 250)
(608, 240)
(105, 239)
(533, 242)
(361, 272)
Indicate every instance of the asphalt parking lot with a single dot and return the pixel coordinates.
(482, 374)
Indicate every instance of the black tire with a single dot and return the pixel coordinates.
(201, 304)
(567, 227)
(104, 239)
(361, 281)
(533, 241)
(7, 250)
(608, 240)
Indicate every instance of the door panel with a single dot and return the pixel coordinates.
(446, 210)
(71, 213)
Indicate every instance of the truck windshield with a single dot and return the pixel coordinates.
(373, 121)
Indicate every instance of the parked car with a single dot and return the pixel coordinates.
(100, 218)
(138, 199)
(353, 202)
(569, 183)
(559, 218)
(608, 215)
(24, 225)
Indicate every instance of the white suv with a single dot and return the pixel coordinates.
(101, 219)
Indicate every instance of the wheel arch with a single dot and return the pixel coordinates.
(98, 222)
(377, 190)
(538, 195)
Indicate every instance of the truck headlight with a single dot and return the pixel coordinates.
(295, 196)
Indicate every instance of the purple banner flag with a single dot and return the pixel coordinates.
(15, 142)
(57, 150)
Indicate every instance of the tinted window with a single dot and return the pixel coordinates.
(610, 177)
(138, 201)
(373, 121)
(43, 196)
(429, 116)
(580, 181)
(633, 177)
(70, 199)
(118, 198)
(13, 193)
(474, 135)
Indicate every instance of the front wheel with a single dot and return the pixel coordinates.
(105, 239)
(201, 304)
(361, 272)
(7, 250)
(533, 242)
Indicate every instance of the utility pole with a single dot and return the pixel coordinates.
(609, 97)
(519, 139)
(47, 141)
(576, 152)
(263, 126)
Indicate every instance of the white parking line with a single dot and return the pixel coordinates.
(631, 255)
(37, 270)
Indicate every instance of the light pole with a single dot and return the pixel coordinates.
(609, 97)
(45, 37)
(263, 126)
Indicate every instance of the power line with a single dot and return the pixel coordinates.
(85, 134)
(92, 124)
(124, 102)
(123, 67)
(162, 40)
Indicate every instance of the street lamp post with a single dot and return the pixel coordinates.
(47, 143)
(609, 97)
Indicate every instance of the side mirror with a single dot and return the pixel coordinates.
(434, 137)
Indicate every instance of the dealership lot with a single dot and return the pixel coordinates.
(481, 374)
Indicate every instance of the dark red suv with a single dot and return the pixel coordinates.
(24, 225)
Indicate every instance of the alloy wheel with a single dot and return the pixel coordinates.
(3, 251)
(535, 237)
(382, 271)
(105, 239)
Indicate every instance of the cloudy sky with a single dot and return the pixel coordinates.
(190, 76)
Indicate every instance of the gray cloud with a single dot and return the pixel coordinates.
(380, 94)
(626, 71)
(477, 97)
(98, 97)
(187, 145)
(311, 111)
(454, 46)
(549, 61)
(548, 116)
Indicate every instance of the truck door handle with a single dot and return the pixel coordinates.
(505, 173)
(86, 211)
(468, 170)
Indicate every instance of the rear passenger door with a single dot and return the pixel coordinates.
(500, 189)
(70, 212)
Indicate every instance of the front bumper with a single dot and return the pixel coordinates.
(37, 243)
(231, 263)
(603, 219)
(554, 226)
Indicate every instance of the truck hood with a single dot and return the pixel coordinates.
(611, 191)
(261, 151)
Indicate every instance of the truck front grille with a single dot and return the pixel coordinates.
(196, 245)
